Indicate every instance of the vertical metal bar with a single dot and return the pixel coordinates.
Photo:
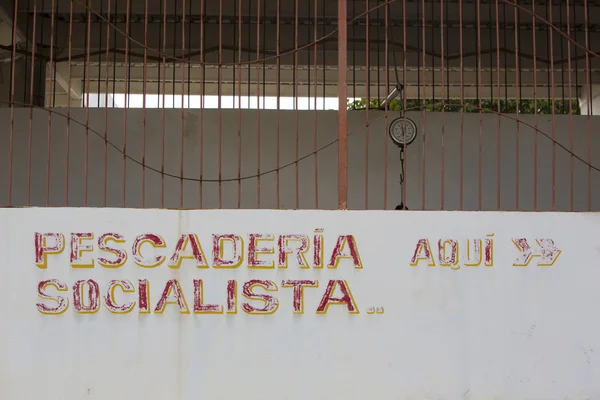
(572, 161)
(562, 58)
(56, 35)
(49, 139)
(462, 103)
(13, 58)
(87, 102)
(69, 103)
(239, 78)
(315, 135)
(257, 101)
(551, 44)
(491, 45)
(174, 67)
(517, 96)
(183, 62)
(296, 105)
(100, 26)
(448, 70)
(342, 100)
(431, 9)
(277, 133)
(323, 53)
(417, 26)
(354, 49)
(443, 96)
(108, 25)
(498, 110)
(144, 91)
(518, 54)
(423, 108)
(164, 88)
(189, 58)
(308, 54)
(263, 54)
(404, 99)
(249, 45)
(378, 41)
(127, 30)
(202, 89)
(41, 77)
(589, 102)
(128, 64)
(160, 45)
(220, 104)
(234, 82)
(535, 111)
(387, 91)
(505, 43)
(368, 100)
(31, 85)
(480, 142)
(26, 55)
(576, 30)
(85, 45)
(116, 24)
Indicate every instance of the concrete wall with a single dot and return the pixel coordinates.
(397, 324)
(381, 152)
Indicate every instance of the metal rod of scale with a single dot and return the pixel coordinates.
(402, 131)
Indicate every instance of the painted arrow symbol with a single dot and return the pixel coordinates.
(546, 252)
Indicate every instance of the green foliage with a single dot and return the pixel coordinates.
(525, 106)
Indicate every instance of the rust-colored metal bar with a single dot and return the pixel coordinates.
(106, 89)
(443, 100)
(404, 100)
(202, 89)
(258, 174)
(220, 104)
(480, 142)
(239, 79)
(423, 106)
(315, 132)
(535, 110)
(31, 86)
(297, 166)
(126, 106)
(499, 116)
(277, 133)
(51, 66)
(462, 105)
(87, 104)
(183, 65)
(342, 100)
(386, 110)
(518, 99)
(368, 100)
(551, 46)
(589, 103)
(68, 139)
(13, 58)
(144, 116)
(571, 145)
(164, 89)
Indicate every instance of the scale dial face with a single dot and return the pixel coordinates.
(398, 134)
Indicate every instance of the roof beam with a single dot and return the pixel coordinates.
(63, 77)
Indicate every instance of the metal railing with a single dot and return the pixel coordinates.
(289, 104)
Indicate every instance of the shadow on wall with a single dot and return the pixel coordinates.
(492, 177)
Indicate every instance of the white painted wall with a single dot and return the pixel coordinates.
(470, 332)
(379, 146)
